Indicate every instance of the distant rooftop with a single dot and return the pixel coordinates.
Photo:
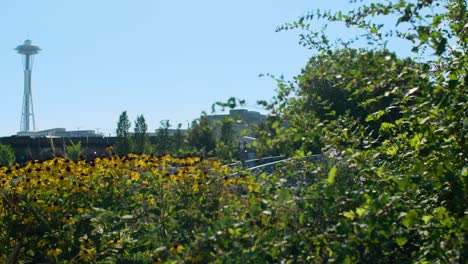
(60, 132)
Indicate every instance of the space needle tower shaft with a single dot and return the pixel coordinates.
(27, 113)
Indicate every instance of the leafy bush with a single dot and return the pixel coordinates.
(74, 151)
(396, 129)
(124, 145)
(7, 156)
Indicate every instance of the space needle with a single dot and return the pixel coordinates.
(27, 114)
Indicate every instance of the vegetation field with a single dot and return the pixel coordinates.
(147, 209)
(391, 187)
(111, 209)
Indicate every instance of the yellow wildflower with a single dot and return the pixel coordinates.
(68, 219)
(37, 201)
(151, 201)
(42, 243)
(196, 259)
(86, 241)
(135, 176)
(28, 220)
(176, 249)
(87, 254)
(52, 207)
(157, 261)
(82, 210)
(253, 187)
(109, 148)
(116, 243)
(54, 252)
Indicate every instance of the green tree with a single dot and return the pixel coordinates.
(227, 132)
(179, 140)
(226, 148)
(274, 137)
(124, 143)
(163, 139)
(123, 125)
(141, 137)
(394, 129)
(202, 137)
(7, 155)
(328, 92)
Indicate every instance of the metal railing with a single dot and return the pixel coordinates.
(270, 166)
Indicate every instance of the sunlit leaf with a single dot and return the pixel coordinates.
(427, 218)
(331, 175)
(410, 218)
(401, 241)
(362, 210)
(350, 215)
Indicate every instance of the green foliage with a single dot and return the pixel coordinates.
(226, 148)
(179, 141)
(269, 141)
(225, 153)
(142, 145)
(328, 90)
(123, 125)
(124, 143)
(201, 136)
(108, 210)
(7, 155)
(231, 103)
(390, 188)
(164, 140)
(227, 132)
(74, 151)
(396, 126)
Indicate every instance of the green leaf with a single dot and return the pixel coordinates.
(350, 215)
(362, 210)
(427, 218)
(441, 212)
(464, 172)
(411, 91)
(301, 218)
(401, 241)
(375, 116)
(284, 195)
(331, 175)
(453, 76)
(340, 15)
(410, 218)
(386, 126)
(441, 46)
(423, 120)
(391, 151)
(415, 142)
(126, 217)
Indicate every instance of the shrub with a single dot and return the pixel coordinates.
(74, 151)
(7, 155)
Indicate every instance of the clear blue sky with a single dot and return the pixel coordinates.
(163, 59)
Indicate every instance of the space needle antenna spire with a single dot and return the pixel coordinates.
(27, 113)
